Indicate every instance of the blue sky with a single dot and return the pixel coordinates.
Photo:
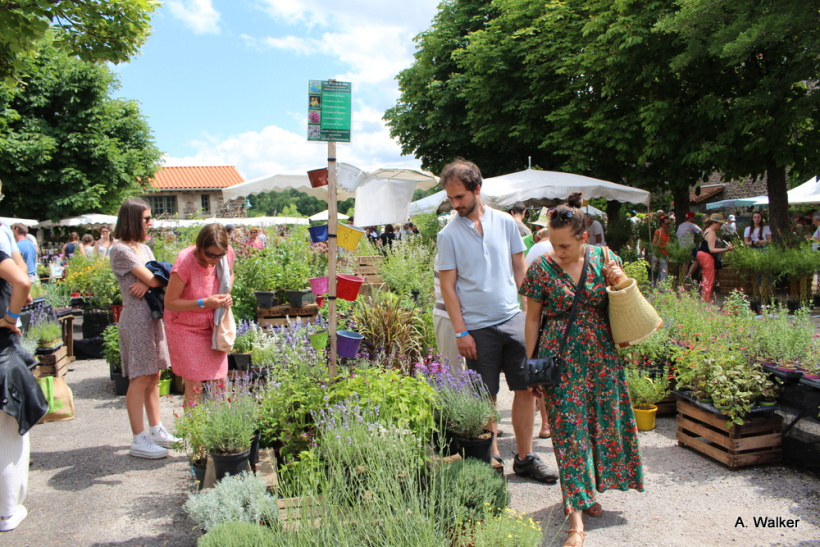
(224, 82)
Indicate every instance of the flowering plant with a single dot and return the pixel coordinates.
(463, 404)
(248, 335)
(93, 276)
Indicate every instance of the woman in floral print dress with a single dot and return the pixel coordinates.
(593, 425)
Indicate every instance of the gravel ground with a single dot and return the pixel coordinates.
(84, 489)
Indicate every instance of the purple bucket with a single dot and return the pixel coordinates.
(318, 233)
(319, 285)
(347, 343)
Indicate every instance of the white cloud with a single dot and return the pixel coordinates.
(198, 15)
(275, 150)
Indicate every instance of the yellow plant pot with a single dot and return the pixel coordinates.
(348, 236)
(645, 418)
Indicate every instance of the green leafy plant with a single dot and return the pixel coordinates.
(111, 347)
(237, 534)
(476, 491)
(242, 498)
(639, 271)
(188, 426)
(507, 529)
(644, 389)
(248, 336)
(57, 294)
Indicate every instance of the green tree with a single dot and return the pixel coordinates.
(94, 30)
(66, 146)
(771, 114)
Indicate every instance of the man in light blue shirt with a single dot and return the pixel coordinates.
(481, 266)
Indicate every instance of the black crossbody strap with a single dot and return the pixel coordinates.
(578, 289)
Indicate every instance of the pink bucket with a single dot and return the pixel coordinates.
(319, 285)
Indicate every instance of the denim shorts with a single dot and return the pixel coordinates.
(501, 347)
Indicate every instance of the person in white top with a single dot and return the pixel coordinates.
(758, 235)
(596, 232)
(815, 239)
(729, 229)
(541, 247)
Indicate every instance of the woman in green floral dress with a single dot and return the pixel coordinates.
(593, 426)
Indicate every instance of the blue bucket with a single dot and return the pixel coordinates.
(318, 233)
(347, 343)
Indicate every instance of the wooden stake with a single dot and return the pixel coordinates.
(333, 226)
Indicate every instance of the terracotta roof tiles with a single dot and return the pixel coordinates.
(196, 177)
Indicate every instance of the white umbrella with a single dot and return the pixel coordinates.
(324, 215)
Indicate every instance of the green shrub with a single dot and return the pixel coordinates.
(472, 488)
(111, 347)
(242, 498)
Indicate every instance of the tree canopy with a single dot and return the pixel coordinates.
(94, 30)
(66, 146)
(289, 201)
(655, 94)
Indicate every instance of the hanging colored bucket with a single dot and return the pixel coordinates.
(347, 286)
(318, 339)
(319, 285)
(347, 343)
(318, 233)
(318, 177)
(349, 236)
(320, 300)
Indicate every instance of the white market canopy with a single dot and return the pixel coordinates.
(324, 215)
(247, 221)
(88, 220)
(532, 184)
(9, 221)
(348, 176)
(808, 192)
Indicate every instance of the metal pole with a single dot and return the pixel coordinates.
(333, 225)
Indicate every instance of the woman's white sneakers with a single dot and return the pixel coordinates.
(143, 447)
(7, 524)
(161, 436)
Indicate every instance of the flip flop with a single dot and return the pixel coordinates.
(497, 457)
(595, 511)
(542, 435)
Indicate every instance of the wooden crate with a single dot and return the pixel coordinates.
(757, 441)
(53, 364)
(368, 260)
(667, 406)
(282, 315)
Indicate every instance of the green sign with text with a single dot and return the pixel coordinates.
(329, 107)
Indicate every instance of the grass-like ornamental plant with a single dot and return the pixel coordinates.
(229, 418)
(46, 332)
(188, 425)
(242, 498)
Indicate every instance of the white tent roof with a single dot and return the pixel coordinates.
(324, 215)
(25, 221)
(349, 178)
(502, 192)
(808, 192)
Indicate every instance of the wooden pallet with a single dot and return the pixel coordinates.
(368, 260)
(368, 268)
(53, 364)
(757, 441)
(284, 315)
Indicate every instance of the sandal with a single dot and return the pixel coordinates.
(575, 543)
(595, 511)
(545, 433)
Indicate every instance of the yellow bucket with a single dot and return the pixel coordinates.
(645, 419)
(348, 236)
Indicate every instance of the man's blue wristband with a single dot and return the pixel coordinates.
(462, 334)
(200, 303)
(13, 315)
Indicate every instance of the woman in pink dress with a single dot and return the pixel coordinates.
(190, 301)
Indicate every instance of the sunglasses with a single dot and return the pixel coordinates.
(563, 216)
(147, 219)
(212, 255)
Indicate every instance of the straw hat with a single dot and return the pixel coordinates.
(631, 317)
(716, 217)
(543, 218)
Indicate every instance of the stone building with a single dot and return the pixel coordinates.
(195, 191)
(716, 190)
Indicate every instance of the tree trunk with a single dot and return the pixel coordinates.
(778, 199)
(681, 196)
